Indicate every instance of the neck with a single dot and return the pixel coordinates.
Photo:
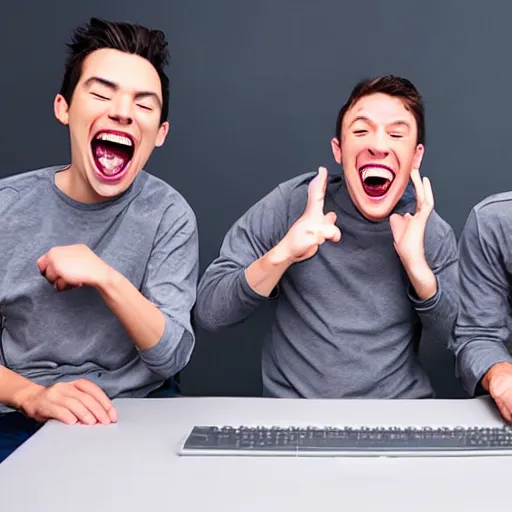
(70, 182)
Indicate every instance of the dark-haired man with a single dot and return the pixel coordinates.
(99, 261)
(359, 265)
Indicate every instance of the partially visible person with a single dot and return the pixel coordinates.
(481, 343)
(99, 260)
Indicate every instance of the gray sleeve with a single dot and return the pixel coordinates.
(224, 296)
(438, 313)
(170, 283)
(481, 331)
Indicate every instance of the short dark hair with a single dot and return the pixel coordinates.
(394, 86)
(125, 37)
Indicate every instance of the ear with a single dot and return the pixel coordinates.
(61, 109)
(336, 149)
(418, 156)
(162, 134)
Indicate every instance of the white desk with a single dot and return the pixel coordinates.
(133, 466)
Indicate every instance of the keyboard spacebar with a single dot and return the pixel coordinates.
(382, 445)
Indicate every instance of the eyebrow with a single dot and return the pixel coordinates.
(139, 95)
(398, 122)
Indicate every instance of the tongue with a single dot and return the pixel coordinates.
(374, 190)
(110, 160)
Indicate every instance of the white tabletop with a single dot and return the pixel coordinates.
(133, 465)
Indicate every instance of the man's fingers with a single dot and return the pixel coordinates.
(504, 410)
(62, 285)
(330, 218)
(398, 224)
(395, 221)
(96, 409)
(418, 187)
(99, 395)
(330, 232)
(424, 194)
(316, 193)
(50, 274)
(428, 198)
(79, 410)
(59, 413)
(42, 263)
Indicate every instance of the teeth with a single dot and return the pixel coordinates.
(111, 137)
(377, 172)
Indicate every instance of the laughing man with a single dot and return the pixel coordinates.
(99, 260)
(358, 263)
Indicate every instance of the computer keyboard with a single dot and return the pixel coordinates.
(346, 441)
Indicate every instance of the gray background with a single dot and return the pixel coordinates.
(256, 86)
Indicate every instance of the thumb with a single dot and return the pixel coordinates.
(42, 262)
(397, 223)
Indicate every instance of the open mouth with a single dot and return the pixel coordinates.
(376, 179)
(112, 152)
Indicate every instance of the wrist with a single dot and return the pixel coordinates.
(492, 372)
(24, 394)
(422, 278)
(415, 265)
(107, 279)
(279, 256)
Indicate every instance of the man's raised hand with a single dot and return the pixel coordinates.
(314, 227)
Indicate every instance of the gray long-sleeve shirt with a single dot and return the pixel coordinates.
(346, 320)
(482, 330)
(148, 234)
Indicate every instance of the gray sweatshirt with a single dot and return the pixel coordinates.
(148, 234)
(482, 331)
(346, 321)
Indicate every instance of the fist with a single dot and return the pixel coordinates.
(71, 266)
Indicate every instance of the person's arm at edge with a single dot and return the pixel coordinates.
(481, 330)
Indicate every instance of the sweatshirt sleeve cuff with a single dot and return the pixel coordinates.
(171, 352)
(427, 304)
(253, 297)
(475, 360)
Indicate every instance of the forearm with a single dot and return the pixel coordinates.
(143, 321)
(422, 279)
(14, 388)
(224, 297)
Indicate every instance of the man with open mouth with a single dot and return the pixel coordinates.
(99, 261)
(358, 263)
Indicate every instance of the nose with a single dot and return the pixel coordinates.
(379, 147)
(121, 110)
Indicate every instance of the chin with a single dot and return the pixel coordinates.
(376, 209)
(111, 190)
(105, 191)
(375, 214)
